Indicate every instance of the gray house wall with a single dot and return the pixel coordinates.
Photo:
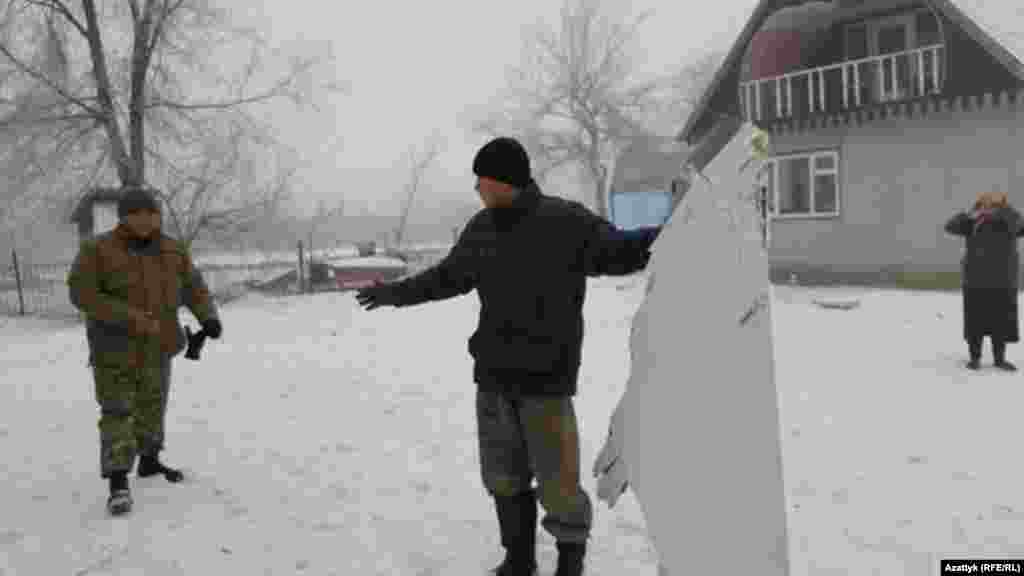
(902, 177)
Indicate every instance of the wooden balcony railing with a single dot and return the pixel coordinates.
(844, 86)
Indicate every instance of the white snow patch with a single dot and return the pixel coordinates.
(367, 262)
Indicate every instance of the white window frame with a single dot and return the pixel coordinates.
(773, 163)
(767, 215)
(906, 19)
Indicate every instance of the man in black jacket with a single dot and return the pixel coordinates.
(527, 255)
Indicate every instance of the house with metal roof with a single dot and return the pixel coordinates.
(885, 117)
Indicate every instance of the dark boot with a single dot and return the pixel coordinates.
(517, 519)
(999, 352)
(150, 465)
(570, 558)
(974, 348)
(120, 500)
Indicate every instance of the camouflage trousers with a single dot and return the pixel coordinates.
(535, 437)
(133, 405)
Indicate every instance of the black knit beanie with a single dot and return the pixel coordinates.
(505, 160)
(135, 200)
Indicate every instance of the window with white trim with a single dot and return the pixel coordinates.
(797, 185)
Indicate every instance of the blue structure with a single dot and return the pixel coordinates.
(640, 191)
(639, 209)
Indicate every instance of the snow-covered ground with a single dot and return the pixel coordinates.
(367, 262)
(326, 440)
(339, 253)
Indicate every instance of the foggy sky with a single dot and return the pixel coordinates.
(415, 67)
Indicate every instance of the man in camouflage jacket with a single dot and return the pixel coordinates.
(130, 283)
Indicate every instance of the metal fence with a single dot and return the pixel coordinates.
(41, 289)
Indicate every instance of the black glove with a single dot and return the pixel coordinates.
(195, 343)
(213, 328)
(376, 296)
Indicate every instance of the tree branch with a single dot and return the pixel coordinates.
(63, 10)
(49, 83)
(47, 120)
(134, 6)
(165, 14)
(269, 94)
(104, 94)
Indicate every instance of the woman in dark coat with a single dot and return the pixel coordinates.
(990, 275)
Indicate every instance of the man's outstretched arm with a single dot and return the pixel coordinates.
(610, 251)
(455, 275)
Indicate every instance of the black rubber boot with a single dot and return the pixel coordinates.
(517, 519)
(1006, 365)
(570, 558)
(974, 348)
(151, 466)
(999, 351)
(120, 500)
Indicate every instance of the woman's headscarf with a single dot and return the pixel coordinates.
(986, 205)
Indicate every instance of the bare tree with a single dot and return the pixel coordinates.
(574, 100)
(419, 162)
(679, 93)
(94, 90)
(225, 187)
(323, 215)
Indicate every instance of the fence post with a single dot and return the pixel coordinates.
(17, 281)
(302, 267)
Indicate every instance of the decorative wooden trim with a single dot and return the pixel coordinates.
(1011, 100)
